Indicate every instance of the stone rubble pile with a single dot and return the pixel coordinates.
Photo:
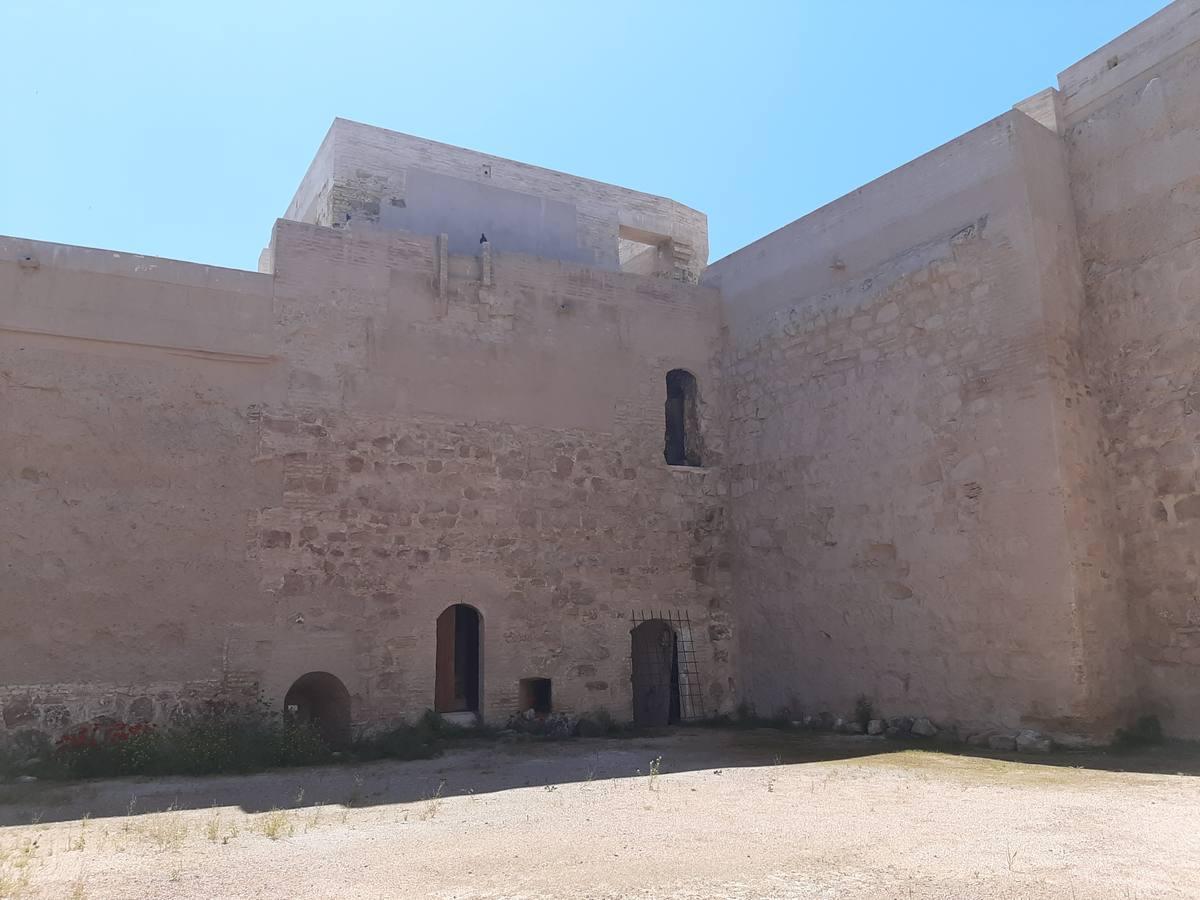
(904, 727)
(555, 725)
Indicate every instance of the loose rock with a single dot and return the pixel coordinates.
(1002, 742)
(922, 727)
(1033, 742)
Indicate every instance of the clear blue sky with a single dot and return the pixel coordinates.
(181, 129)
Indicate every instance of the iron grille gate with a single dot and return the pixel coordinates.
(691, 694)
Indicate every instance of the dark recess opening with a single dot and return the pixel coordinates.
(535, 695)
(683, 420)
(456, 679)
(655, 655)
(322, 700)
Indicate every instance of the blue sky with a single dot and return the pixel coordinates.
(181, 129)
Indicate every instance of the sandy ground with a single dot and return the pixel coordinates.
(723, 814)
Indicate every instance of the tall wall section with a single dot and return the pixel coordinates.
(1130, 117)
(918, 506)
(363, 176)
(213, 482)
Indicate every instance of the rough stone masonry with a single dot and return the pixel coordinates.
(938, 442)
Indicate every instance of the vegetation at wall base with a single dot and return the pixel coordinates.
(225, 738)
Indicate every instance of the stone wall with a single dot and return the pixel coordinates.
(500, 446)
(127, 479)
(212, 480)
(364, 176)
(1131, 122)
(950, 460)
(912, 498)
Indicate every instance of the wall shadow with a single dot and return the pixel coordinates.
(481, 766)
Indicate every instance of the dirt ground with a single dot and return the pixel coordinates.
(692, 814)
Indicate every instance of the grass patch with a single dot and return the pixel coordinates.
(16, 866)
(655, 771)
(166, 830)
(277, 824)
(433, 804)
(212, 828)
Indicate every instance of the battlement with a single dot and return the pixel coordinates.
(367, 177)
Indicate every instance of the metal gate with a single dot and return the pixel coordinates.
(677, 668)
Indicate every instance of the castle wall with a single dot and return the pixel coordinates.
(127, 479)
(371, 177)
(949, 456)
(911, 482)
(299, 472)
(1131, 122)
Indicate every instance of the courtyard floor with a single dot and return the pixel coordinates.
(692, 814)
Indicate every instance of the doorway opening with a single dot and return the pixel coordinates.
(320, 699)
(655, 647)
(456, 679)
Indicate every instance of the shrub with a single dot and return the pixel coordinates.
(747, 713)
(598, 723)
(105, 747)
(424, 739)
(1145, 731)
(864, 711)
(221, 738)
(233, 738)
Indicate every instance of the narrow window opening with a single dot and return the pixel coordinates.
(683, 420)
(535, 695)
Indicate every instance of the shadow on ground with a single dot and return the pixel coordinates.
(481, 767)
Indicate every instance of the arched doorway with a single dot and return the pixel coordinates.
(456, 679)
(321, 699)
(655, 651)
